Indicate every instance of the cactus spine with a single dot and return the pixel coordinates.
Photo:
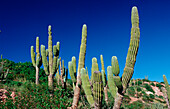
(38, 62)
(130, 59)
(81, 65)
(94, 99)
(52, 66)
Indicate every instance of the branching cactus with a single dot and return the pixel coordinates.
(81, 65)
(167, 90)
(93, 97)
(118, 85)
(104, 78)
(38, 61)
(52, 66)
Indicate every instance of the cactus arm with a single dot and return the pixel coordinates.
(94, 67)
(112, 87)
(115, 66)
(50, 50)
(103, 71)
(33, 55)
(86, 86)
(133, 49)
(44, 59)
(71, 71)
(74, 65)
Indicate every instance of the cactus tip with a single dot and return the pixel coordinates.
(49, 28)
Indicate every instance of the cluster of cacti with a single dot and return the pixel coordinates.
(94, 98)
(166, 91)
(63, 75)
(117, 85)
(52, 66)
(93, 88)
(38, 61)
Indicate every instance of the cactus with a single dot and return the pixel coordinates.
(38, 62)
(167, 89)
(52, 66)
(94, 99)
(3, 75)
(133, 49)
(81, 65)
(94, 68)
(122, 83)
(72, 70)
(104, 78)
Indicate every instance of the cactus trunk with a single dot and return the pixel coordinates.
(37, 75)
(80, 66)
(118, 101)
(50, 82)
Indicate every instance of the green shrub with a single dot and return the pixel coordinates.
(135, 105)
(139, 89)
(149, 88)
(159, 86)
(131, 91)
(151, 96)
(152, 84)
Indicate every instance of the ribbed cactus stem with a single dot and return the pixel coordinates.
(71, 71)
(44, 59)
(133, 49)
(97, 89)
(86, 86)
(81, 65)
(50, 67)
(38, 62)
(103, 71)
(112, 87)
(94, 67)
(115, 66)
(50, 50)
(33, 56)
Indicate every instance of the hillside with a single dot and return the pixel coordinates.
(20, 91)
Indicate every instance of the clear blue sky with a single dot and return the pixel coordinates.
(108, 23)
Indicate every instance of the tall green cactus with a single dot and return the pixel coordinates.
(81, 65)
(52, 66)
(94, 98)
(38, 62)
(122, 83)
(167, 87)
(133, 49)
